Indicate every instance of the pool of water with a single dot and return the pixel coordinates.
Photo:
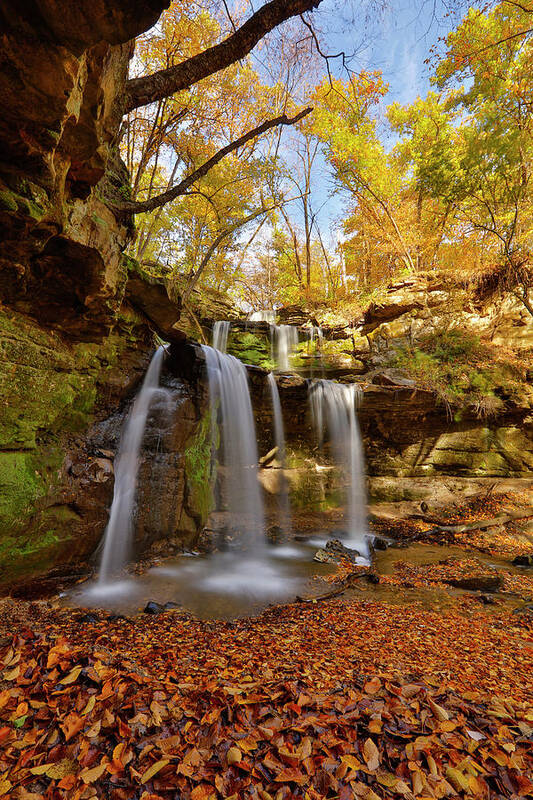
(236, 584)
(216, 586)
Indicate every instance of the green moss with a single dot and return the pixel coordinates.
(198, 470)
(20, 486)
(250, 348)
(8, 201)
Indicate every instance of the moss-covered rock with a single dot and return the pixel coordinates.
(52, 392)
(199, 471)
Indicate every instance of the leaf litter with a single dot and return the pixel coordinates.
(342, 699)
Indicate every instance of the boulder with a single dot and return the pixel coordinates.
(477, 583)
(325, 557)
(393, 377)
(153, 608)
(150, 297)
(523, 561)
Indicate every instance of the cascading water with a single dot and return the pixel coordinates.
(285, 340)
(315, 332)
(118, 534)
(220, 335)
(266, 315)
(230, 397)
(333, 407)
(279, 439)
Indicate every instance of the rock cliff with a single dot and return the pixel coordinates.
(76, 318)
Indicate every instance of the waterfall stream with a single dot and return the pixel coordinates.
(264, 569)
(220, 335)
(265, 315)
(333, 407)
(284, 341)
(230, 398)
(279, 440)
(118, 534)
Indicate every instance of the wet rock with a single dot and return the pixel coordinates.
(324, 557)
(275, 534)
(88, 619)
(267, 460)
(153, 608)
(171, 605)
(477, 583)
(523, 561)
(380, 544)
(334, 552)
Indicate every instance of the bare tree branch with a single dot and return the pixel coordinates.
(214, 245)
(181, 188)
(165, 82)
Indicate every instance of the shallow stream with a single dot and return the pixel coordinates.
(232, 584)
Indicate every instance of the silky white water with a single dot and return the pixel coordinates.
(266, 315)
(230, 399)
(333, 407)
(316, 333)
(284, 341)
(279, 440)
(118, 534)
(220, 335)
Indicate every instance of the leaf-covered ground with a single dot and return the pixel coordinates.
(339, 699)
(505, 541)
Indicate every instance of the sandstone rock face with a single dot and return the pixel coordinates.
(62, 71)
(72, 351)
(432, 302)
(64, 405)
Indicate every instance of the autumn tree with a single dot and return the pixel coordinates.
(491, 57)
(345, 121)
(180, 74)
(196, 153)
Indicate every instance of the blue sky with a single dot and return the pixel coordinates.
(395, 39)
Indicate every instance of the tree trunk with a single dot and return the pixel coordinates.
(165, 82)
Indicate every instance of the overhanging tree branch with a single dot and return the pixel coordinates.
(181, 188)
(165, 82)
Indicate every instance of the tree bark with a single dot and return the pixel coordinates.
(165, 82)
(181, 188)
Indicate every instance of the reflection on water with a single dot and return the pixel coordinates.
(216, 586)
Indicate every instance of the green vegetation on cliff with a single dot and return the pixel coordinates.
(463, 371)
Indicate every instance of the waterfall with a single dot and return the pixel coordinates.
(279, 440)
(333, 407)
(266, 315)
(229, 395)
(285, 340)
(316, 333)
(118, 534)
(220, 335)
